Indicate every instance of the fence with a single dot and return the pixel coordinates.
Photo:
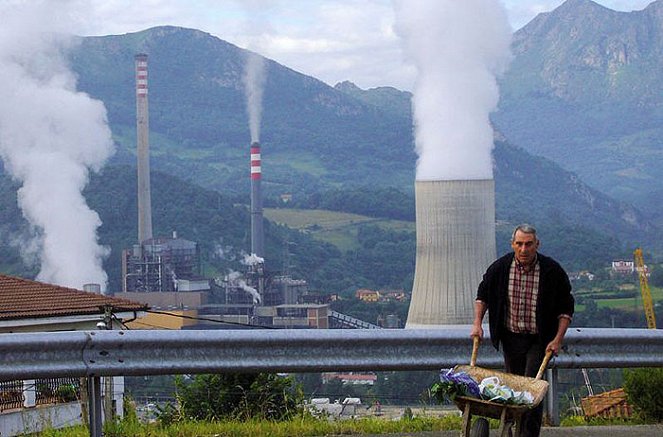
(11, 395)
(112, 353)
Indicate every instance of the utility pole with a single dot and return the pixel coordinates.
(109, 414)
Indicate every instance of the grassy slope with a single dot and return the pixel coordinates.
(337, 228)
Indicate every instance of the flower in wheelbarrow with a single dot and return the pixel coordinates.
(454, 384)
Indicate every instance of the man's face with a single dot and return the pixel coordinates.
(525, 247)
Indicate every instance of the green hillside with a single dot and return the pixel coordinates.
(338, 228)
(342, 149)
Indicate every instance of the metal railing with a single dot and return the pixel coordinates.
(113, 353)
(57, 390)
(11, 395)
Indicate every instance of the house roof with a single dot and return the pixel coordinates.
(25, 299)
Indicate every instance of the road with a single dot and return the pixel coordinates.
(576, 431)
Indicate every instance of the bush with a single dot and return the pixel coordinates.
(66, 393)
(643, 389)
(238, 396)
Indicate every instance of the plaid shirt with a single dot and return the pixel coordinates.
(523, 292)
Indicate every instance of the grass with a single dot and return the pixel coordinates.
(304, 426)
(633, 304)
(337, 228)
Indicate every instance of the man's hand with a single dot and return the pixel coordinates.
(554, 346)
(477, 331)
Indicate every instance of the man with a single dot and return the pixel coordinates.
(530, 306)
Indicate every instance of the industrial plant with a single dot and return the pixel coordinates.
(166, 273)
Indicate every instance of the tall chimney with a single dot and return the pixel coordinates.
(455, 245)
(257, 243)
(143, 151)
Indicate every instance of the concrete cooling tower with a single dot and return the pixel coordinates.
(455, 245)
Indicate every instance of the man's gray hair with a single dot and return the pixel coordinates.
(525, 229)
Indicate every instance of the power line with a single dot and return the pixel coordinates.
(205, 319)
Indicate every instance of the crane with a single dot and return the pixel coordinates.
(647, 301)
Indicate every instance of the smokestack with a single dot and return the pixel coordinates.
(455, 245)
(143, 151)
(257, 245)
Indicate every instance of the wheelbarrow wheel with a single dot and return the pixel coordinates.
(480, 428)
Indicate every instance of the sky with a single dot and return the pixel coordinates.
(332, 40)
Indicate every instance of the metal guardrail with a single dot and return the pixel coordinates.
(110, 353)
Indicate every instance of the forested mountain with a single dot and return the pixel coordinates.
(310, 131)
(585, 89)
(316, 139)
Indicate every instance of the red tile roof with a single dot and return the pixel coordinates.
(25, 299)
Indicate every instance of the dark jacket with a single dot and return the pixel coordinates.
(554, 296)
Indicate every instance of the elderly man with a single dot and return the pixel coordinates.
(529, 303)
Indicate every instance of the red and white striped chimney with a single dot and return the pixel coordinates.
(257, 241)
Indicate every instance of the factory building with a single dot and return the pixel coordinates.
(163, 264)
(166, 273)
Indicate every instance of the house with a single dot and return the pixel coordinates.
(622, 267)
(366, 295)
(32, 306)
(351, 378)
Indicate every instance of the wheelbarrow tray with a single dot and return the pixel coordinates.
(499, 410)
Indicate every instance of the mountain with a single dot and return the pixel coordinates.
(388, 99)
(585, 89)
(199, 124)
(316, 139)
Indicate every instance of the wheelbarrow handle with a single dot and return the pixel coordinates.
(544, 364)
(475, 350)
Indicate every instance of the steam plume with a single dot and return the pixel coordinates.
(254, 81)
(236, 278)
(458, 48)
(50, 137)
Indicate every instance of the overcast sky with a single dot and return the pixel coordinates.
(332, 40)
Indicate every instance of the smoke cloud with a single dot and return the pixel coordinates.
(237, 279)
(51, 136)
(458, 48)
(254, 82)
(257, 27)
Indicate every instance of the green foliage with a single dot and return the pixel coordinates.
(643, 388)
(238, 396)
(66, 393)
(656, 277)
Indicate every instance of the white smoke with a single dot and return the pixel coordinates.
(257, 27)
(51, 136)
(458, 48)
(237, 279)
(254, 82)
(253, 259)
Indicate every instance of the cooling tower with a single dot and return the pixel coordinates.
(455, 245)
(143, 151)
(256, 202)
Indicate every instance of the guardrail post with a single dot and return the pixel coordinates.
(552, 397)
(94, 405)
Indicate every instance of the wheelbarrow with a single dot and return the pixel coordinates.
(509, 415)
